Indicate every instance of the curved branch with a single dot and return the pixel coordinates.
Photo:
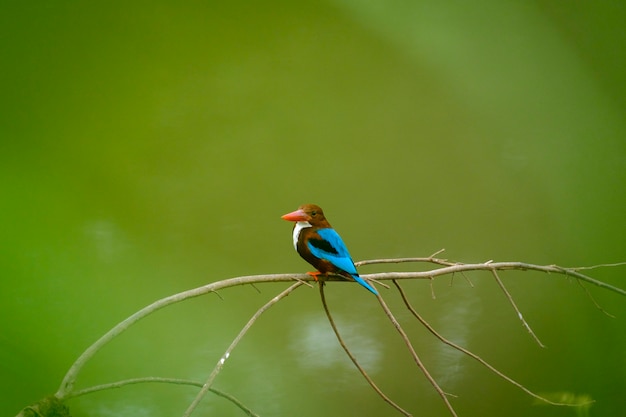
(70, 377)
(67, 384)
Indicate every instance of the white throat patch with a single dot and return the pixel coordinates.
(296, 232)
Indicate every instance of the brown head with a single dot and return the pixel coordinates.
(308, 213)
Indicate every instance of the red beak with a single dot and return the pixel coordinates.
(296, 216)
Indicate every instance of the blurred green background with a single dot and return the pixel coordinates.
(150, 147)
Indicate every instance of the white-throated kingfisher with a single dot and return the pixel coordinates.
(317, 242)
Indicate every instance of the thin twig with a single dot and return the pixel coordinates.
(175, 381)
(469, 281)
(132, 381)
(519, 313)
(432, 289)
(436, 261)
(353, 358)
(308, 284)
(408, 304)
(581, 268)
(416, 358)
(593, 300)
(437, 253)
(381, 283)
(220, 364)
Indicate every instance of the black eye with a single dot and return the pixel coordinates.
(313, 213)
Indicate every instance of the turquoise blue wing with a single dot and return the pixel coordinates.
(331, 248)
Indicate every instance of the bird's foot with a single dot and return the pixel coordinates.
(315, 275)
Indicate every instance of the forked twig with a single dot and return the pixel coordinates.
(353, 358)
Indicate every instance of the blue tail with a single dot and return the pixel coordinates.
(364, 283)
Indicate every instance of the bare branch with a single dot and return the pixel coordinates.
(487, 266)
(132, 381)
(152, 379)
(65, 389)
(69, 379)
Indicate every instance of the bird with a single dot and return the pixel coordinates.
(320, 245)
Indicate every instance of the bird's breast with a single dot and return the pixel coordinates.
(299, 226)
